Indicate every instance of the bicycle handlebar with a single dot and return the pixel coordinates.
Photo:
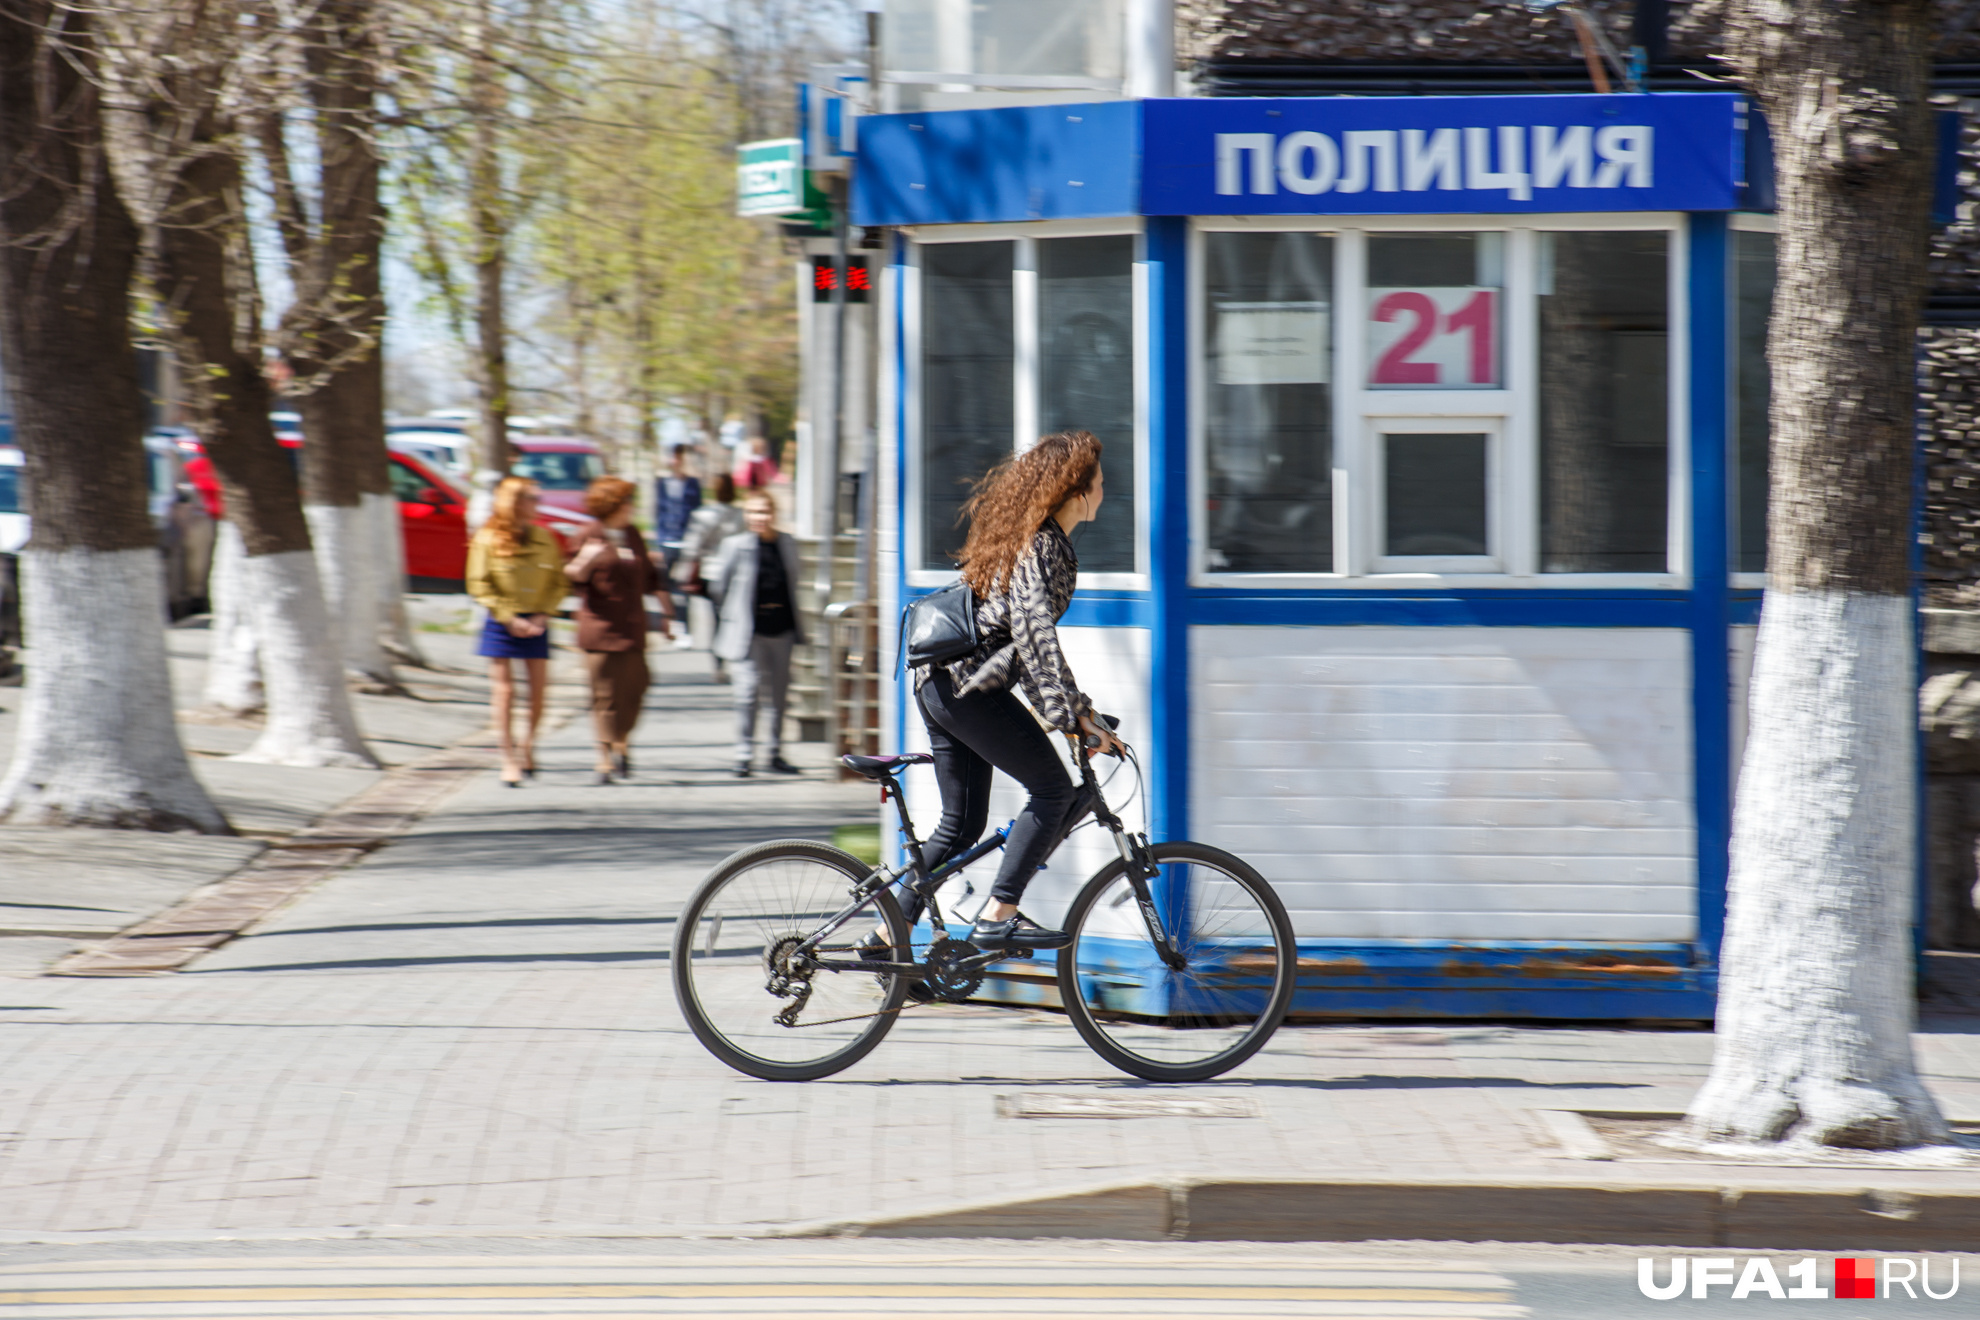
(1089, 741)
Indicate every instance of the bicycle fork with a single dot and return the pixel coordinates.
(1139, 863)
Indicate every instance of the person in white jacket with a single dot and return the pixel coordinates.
(754, 586)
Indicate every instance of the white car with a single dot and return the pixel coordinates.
(445, 450)
(185, 531)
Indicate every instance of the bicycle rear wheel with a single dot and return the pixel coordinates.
(735, 970)
(1193, 1022)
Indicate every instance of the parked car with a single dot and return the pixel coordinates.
(561, 466)
(433, 517)
(447, 450)
(185, 529)
(432, 511)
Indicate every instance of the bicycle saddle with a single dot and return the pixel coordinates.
(877, 767)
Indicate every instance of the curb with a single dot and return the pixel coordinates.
(1782, 1217)
(1612, 1213)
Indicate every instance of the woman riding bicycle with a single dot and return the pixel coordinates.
(1019, 562)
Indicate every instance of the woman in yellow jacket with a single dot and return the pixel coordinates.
(515, 571)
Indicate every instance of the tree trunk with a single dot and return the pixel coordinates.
(233, 661)
(488, 218)
(337, 331)
(206, 282)
(97, 744)
(1815, 1000)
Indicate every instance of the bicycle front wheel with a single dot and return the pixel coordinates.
(751, 997)
(1198, 1020)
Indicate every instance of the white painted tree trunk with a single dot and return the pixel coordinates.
(309, 708)
(347, 551)
(97, 745)
(395, 626)
(1815, 1010)
(233, 664)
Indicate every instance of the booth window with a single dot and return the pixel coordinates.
(1433, 311)
(1435, 501)
(1086, 376)
(967, 357)
(1269, 402)
(1753, 274)
(1604, 411)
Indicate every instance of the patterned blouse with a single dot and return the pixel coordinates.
(1019, 628)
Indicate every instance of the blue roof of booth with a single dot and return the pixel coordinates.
(1671, 151)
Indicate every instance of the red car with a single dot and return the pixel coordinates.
(433, 517)
(432, 514)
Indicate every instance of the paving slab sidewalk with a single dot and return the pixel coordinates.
(59, 886)
(472, 1032)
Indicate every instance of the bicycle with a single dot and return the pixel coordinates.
(1182, 986)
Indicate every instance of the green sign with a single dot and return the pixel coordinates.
(771, 180)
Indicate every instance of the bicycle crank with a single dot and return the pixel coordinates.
(955, 969)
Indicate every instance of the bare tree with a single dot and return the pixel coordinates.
(97, 745)
(1815, 1000)
(332, 333)
(488, 209)
(185, 72)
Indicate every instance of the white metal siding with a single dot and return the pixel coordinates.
(1452, 782)
(1111, 665)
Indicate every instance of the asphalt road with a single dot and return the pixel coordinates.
(219, 1280)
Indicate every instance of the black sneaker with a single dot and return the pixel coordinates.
(742, 769)
(1019, 932)
(779, 766)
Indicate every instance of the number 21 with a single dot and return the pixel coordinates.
(1474, 319)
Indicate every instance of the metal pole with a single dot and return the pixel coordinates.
(826, 449)
(1149, 49)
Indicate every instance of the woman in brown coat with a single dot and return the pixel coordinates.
(614, 575)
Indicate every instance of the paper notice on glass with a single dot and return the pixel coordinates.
(1282, 343)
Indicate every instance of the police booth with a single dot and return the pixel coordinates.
(1435, 453)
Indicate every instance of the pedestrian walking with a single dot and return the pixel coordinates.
(754, 585)
(614, 575)
(676, 496)
(515, 571)
(708, 527)
(1020, 565)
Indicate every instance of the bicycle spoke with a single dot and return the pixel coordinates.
(1198, 1019)
(748, 991)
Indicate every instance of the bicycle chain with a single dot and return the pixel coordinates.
(861, 1017)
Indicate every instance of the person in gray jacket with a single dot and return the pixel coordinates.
(754, 586)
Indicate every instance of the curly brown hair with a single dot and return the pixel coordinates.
(1015, 498)
(605, 496)
(506, 528)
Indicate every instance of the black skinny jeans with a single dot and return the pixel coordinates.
(970, 735)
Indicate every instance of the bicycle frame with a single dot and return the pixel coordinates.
(916, 878)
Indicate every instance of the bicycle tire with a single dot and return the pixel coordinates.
(1247, 1014)
(815, 875)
